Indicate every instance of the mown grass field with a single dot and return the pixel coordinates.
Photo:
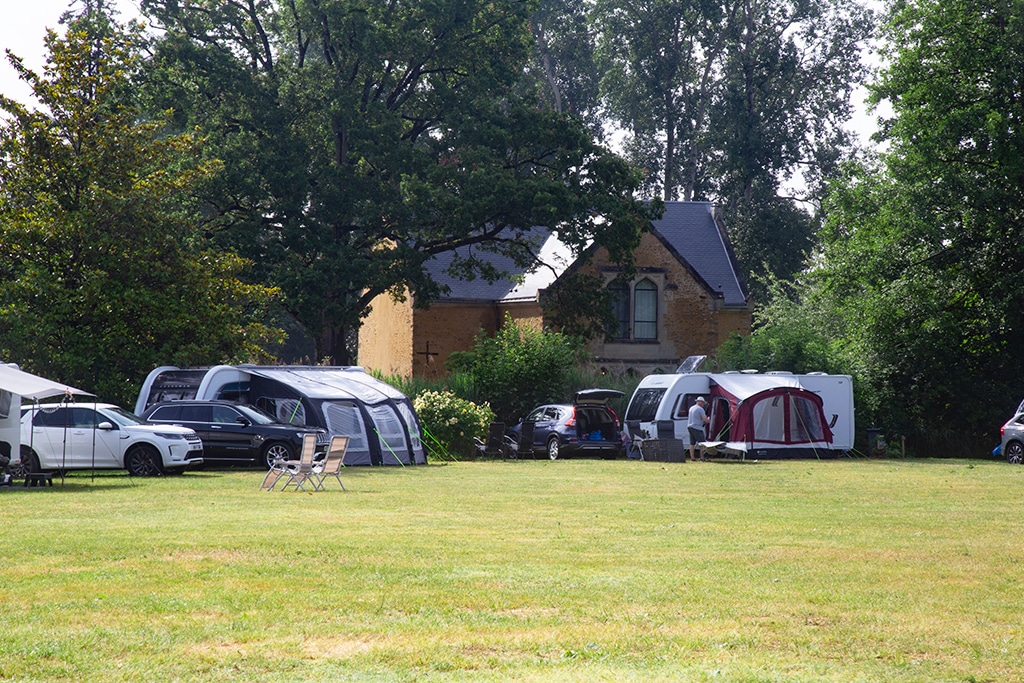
(843, 570)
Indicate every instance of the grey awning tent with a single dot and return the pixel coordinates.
(27, 385)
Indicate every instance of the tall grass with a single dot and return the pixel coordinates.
(796, 571)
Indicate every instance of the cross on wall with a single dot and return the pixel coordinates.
(428, 353)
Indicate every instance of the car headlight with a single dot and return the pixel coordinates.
(169, 435)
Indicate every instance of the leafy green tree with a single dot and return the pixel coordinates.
(729, 100)
(102, 277)
(520, 367)
(922, 249)
(564, 60)
(360, 138)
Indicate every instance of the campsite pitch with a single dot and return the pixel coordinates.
(582, 570)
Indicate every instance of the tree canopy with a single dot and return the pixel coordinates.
(919, 270)
(737, 102)
(102, 276)
(359, 138)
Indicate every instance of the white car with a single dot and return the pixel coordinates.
(1012, 437)
(74, 436)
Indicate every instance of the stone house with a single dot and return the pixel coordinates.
(686, 298)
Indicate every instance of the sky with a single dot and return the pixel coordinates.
(22, 31)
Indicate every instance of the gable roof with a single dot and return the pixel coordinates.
(689, 230)
(520, 285)
(697, 238)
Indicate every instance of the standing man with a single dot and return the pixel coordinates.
(696, 419)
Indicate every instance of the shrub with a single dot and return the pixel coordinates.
(450, 423)
(521, 367)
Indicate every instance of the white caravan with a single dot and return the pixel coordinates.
(661, 403)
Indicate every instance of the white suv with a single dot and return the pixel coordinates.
(1012, 437)
(74, 436)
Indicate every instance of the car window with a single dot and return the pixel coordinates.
(196, 413)
(556, 413)
(86, 417)
(535, 415)
(58, 417)
(256, 415)
(225, 415)
(165, 413)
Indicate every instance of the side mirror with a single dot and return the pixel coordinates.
(106, 426)
(243, 421)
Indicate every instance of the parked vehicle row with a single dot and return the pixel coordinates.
(167, 439)
(234, 433)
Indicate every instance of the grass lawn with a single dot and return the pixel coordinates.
(578, 570)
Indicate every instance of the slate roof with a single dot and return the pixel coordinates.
(688, 230)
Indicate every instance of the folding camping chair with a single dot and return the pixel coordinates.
(332, 463)
(271, 478)
(495, 444)
(302, 471)
(522, 446)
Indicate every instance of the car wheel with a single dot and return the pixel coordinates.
(277, 451)
(553, 448)
(29, 464)
(1014, 453)
(142, 461)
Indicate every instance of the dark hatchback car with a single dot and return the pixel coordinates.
(235, 434)
(585, 427)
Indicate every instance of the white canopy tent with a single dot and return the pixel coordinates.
(27, 385)
(15, 383)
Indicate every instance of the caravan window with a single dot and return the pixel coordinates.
(236, 392)
(644, 405)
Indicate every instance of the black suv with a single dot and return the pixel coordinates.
(234, 433)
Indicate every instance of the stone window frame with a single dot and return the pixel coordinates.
(658, 279)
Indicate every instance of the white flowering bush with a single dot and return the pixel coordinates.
(450, 422)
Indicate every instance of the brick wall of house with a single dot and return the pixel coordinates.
(453, 326)
(398, 340)
(690, 322)
(385, 338)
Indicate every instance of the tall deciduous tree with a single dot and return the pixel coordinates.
(923, 250)
(362, 137)
(101, 275)
(729, 100)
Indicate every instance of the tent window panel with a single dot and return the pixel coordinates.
(769, 416)
(346, 420)
(805, 421)
(286, 410)
(390, 432)
(409, 417)
(645, 310)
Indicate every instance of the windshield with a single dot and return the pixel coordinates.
(256, 415)
(122, 416)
